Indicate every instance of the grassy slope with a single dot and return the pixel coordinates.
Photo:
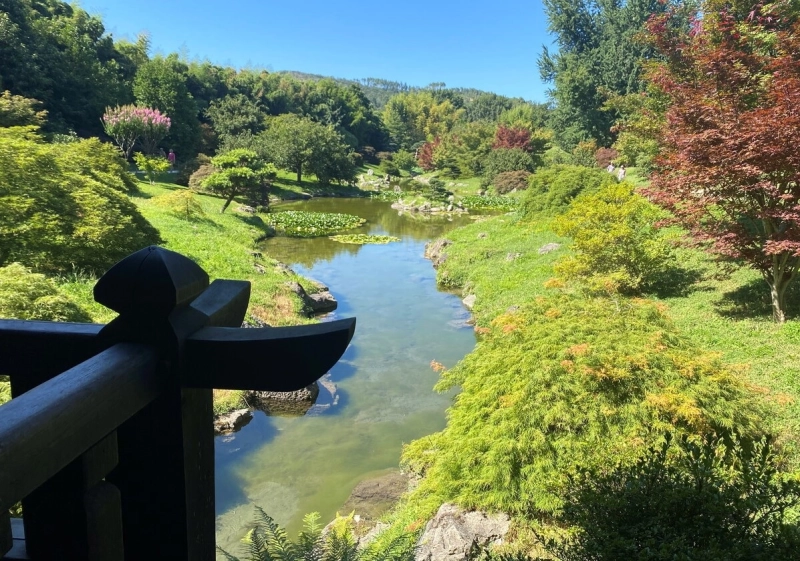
(722, 307)
(224, 245)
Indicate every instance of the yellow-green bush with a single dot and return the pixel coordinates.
(565, 384)
(615, 244)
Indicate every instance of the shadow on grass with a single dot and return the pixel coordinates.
(752, 300)
(677, 282)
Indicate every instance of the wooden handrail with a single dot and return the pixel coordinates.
(45, 429)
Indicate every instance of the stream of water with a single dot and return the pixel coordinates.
(294, 465)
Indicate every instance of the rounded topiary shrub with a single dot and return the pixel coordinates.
(189, 167)
(511, 181)
(200, 175)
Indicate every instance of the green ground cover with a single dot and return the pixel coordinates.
(713, 316)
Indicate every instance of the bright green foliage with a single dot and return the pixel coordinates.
(388, 167)
(151, 165)
(531, 116)
(268, 542)
(303, 146)
(414, 117)
(32, 296)
(303, 224)
(616, 245)
(552, 189)
(598, 56)
(488, 201)
(239, 172)
(463, 150)
(57, 53)
(567, 383)
(404, 160)
(18, 111)
(713, 500)
(161, 83)
(236, 114)
(508, 159)
(183, 203)
(62, 206)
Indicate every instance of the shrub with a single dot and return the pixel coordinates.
(404, 160)
(506, 159)
(475, 202)
(717, 499)
(199, 176)
(564, 384)
(186, 169)
(383, 156)
(368, 153)
(604, 156)
(31, 296)
(552, 189)
(183, 203)
(388, 167)
(583, 153)
(152, 166)
(62, 206)
(615, 243)
(511, 181)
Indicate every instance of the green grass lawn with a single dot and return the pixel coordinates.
(225, 246)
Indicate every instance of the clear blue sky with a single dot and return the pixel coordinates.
(491, 46)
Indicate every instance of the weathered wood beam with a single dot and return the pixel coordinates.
(278, 359)
(22, 344)
(45, 429)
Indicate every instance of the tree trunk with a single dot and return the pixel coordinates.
(228, 202)
(778, 281)
(299, 174)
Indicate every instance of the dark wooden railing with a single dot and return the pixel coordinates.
(108, 438)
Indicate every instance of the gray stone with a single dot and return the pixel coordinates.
(233, 421)
(289, 404)
(482, 235)
(455, 535)
(513, 256)
(435, 251)
(469, 301)
(322, 302)
(548, 247)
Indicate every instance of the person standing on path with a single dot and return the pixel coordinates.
(171, 158)
(621, 173)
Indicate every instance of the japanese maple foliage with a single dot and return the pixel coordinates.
(730, 166)
(510, 137)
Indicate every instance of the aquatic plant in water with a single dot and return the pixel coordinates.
(362, 239)
(302, 224)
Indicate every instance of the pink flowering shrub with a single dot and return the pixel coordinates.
(127, 123)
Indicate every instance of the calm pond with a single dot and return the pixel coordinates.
(294, 465)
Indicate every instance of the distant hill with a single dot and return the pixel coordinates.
(378, 91)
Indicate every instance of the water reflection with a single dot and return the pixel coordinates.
(291, 466)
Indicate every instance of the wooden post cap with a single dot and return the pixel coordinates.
(151, 282)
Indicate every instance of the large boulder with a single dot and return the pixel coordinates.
(288, 404)
(454, 534)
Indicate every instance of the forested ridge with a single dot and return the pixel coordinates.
(633, 392)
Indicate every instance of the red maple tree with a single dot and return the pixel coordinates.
(425, 154)
(730, 166)
(511, 137)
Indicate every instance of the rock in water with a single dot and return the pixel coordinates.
(435, 251)
(453, 534)
(233, 421)
(469, 301)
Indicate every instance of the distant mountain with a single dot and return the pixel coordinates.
(378, 91)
